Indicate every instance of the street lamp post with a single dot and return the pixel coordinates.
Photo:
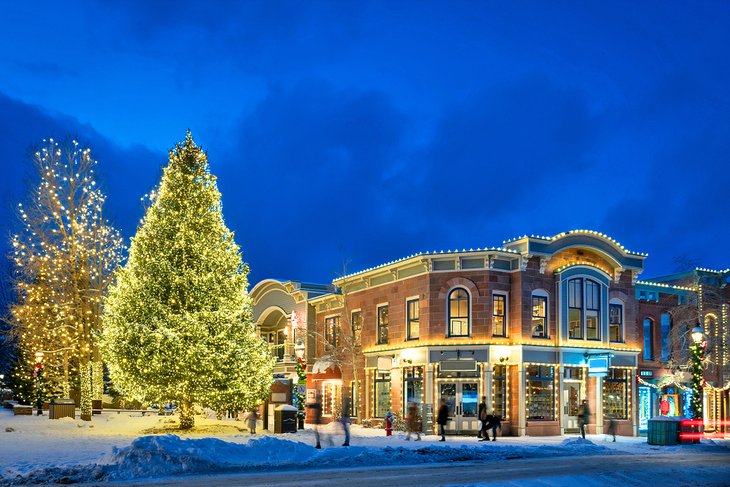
(38, 376)
(697, 351)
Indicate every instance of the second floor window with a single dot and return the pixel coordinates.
(584, 309)
(331, 330)
(412, 319)
(499, 315)
(458, 313)
(356, 322)
(593, 310)
(575, 308)
(615, 322)
(648, 339)
(382, 324)
(666, 328)
(539, 316)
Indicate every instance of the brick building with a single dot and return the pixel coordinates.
(535, 326)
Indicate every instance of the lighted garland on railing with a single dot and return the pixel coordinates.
(302, 379)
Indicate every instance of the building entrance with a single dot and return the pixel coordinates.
(571, 403)
(462, 399)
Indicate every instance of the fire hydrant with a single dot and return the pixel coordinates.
(388, 423)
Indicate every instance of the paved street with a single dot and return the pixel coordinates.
(593, 470)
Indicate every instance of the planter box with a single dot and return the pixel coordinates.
(19, 410)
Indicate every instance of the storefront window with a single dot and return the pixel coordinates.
(499, 390)
(413, 387)
(540, 392)
(615, 395)
(382, 393)
(331, 399)
(354, 399)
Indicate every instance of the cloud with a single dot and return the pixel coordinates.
(125, 173)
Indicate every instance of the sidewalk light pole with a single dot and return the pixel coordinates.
(697, 352)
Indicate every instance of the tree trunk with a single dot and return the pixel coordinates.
(187, 415)
(85, 389)
(97, 382)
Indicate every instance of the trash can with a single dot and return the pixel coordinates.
(62, 408)
(664, 430)
(285, 419)
(96, 406)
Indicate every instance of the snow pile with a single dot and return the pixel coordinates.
(170, 455)
(155, 456)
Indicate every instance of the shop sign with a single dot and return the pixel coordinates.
(644, 408)
(598, 366)
(646, 373)
(469, 365)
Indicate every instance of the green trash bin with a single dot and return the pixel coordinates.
(664, 430)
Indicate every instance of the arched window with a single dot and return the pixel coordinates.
(458, 313)
(666, 323)
(539, 314)
(648, 339)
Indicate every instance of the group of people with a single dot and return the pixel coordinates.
(488, 422)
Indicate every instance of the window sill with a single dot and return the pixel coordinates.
(412, 339)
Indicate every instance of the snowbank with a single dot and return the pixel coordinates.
(170, 456)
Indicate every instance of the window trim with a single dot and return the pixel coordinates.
(448, 312)
(541, 294)
(505, 315)
(409, 319)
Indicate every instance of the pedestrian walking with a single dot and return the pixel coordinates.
(482, 415)
(413, 421)
(252, 418)
(584, 414)
(316, 408)
(388, 423)
(494, 422)
(345, 420)
(612, 427)
(442, 419)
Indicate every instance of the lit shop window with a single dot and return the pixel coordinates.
(615, 395)
(382, 393)
(540, 392)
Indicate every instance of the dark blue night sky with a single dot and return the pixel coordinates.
(370, 131)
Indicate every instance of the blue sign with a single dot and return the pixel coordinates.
(644, 408)
(598, 366)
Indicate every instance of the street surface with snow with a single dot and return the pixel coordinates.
(131, 449)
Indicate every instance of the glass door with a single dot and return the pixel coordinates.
(571, 403)
(469, 406)
(462, 400)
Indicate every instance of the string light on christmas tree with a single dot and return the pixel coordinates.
(178, 319)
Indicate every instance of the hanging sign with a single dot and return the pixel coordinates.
(598, 366)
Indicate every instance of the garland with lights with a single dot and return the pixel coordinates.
(178, 319)
(301, 379)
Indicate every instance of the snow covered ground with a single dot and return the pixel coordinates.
(128, 446)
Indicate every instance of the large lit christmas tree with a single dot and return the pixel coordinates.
(177, 320)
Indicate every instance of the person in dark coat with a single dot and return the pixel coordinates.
(442, 418)
(584, 413)
(482, 415)
(494, 421)
(345, 420)
(316, 407)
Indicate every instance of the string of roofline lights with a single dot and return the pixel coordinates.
(705, 385)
